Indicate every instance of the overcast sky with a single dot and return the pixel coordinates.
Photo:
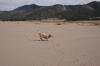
(12, 4)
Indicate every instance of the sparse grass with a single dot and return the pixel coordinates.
(61, 22)
(96, 23)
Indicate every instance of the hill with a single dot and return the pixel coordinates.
(90, 11)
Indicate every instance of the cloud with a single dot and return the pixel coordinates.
(12, 4)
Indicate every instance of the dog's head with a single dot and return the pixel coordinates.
(50, 35)
(37, 30)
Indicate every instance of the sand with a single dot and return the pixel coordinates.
(72, 45)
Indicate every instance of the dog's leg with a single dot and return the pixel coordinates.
(47, 39)
(41, 37)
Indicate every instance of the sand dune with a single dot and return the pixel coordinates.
(72, 45)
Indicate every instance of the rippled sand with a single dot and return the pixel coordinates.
(72, 45)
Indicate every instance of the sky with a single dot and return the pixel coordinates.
(7, 5)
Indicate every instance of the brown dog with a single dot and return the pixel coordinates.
(43, 35)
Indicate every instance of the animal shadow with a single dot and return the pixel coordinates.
(36, 40)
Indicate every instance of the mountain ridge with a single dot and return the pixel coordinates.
(68, 12)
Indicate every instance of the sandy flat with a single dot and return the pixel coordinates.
(71, 45)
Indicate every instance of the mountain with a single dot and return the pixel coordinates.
(46, 12)
(95, 5)
(68, 12)
(27, 7)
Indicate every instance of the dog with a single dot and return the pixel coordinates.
(44, 35)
